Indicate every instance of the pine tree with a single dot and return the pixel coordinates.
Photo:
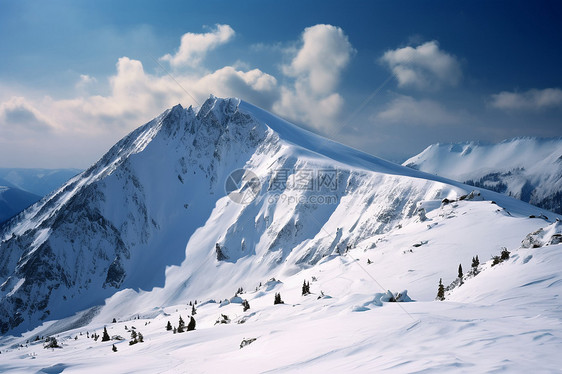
(168, 326)
(175, 329)
(191, 324)
(140, 338)
(304, 292)
(278, 299)
(460, 272)
(114, 348)
(245, 305)
(114, 321)
(181, 325)
(193, 311)
(105, 336)
(475, 262)
(504, 254)
(369, 262)
(441, 291)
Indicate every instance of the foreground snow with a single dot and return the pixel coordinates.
(506, 318)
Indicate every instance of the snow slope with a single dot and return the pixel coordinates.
(149, 228)
(505, 319)
(529, 169)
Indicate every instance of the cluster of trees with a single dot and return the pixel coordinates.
(181, 325)
(136, 337)
(503, 256)
(277, 299)
(51, 342)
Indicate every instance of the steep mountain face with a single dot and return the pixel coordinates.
(13, 201)
(153, 214)
(528, 169)
(36, 181)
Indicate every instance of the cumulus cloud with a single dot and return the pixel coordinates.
(423, 67)
(17, 115)
(316, 68)
(90, 122)
(531, 100)
(407, 110)
(194, 47)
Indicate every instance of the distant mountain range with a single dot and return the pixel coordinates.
(13, 201)
(529, 169)
(20, 188)
(37, 181)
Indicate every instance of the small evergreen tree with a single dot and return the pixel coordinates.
(245, 305)
(504, 254)
(440, 291)
(191, 324)
(277, 299)
(114, 321)
(175, 329)
(369, 262)
(181, 325)
(496, 260)
(460, 272)
(105, 336)
(114, 348)
(168, 326)
(140, 338)
(193, 311)
(475, 262)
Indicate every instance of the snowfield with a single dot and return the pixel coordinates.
(149, 230)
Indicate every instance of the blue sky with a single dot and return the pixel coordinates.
(389, 78)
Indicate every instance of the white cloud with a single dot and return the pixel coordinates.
(531, 100)
(17, 115)
(88, 123)
(194, 47)
(316, 68)
(423, 67)
(407, 110)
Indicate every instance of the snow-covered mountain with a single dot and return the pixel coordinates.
(162, 220)
(13, 201)
(529, 169)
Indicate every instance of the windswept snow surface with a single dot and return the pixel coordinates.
(149, 228)
(529, 169)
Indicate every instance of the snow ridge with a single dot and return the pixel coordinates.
(526, 168)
